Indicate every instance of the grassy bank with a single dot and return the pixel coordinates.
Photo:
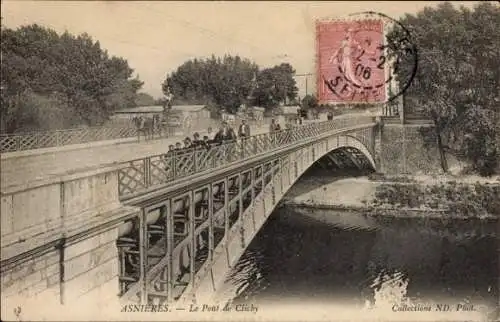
(403, 196)
(452, 197)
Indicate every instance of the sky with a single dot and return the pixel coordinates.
(157, 37)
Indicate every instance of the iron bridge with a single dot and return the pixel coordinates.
(200, 208)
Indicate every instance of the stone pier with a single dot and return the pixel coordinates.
(401, 149)
(59, 242)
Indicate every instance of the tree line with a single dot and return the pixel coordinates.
(457, 81)
(230, 81)
(53, 81)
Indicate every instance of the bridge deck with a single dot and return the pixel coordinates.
(22, 170)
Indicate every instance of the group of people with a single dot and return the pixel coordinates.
(224, 135)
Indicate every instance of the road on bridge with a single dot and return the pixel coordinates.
(22, 170)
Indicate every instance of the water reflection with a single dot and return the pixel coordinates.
(309, 255)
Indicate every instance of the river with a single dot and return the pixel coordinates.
(304, 258)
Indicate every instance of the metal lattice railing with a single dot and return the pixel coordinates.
(39, 140)
(152, 171)
(49, 139)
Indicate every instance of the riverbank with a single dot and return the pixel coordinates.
(368, 263)
(402, 196)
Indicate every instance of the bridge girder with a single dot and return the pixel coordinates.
(334, 160)
(351, 156)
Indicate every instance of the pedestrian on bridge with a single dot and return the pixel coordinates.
(244, 135)
(224, 137)
(196, 140)
(225, 134)
(170, 153)
(188, 143)
(244, 130)
(207, 142)
(272, 126)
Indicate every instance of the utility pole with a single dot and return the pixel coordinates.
(306, 76)
(286, 57)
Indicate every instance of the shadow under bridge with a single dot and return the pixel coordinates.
(353, 156)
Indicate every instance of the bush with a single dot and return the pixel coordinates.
(459, 199)
(36, 112)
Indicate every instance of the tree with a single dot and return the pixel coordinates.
(71, 72)
(457, 82)
(225, 82)
(275, 85)
(309, 101)
(229, 82)
(144, 99)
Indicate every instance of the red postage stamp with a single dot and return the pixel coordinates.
(351, 65)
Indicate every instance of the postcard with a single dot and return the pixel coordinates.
(250, 161)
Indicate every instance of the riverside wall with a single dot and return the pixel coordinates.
(59, 241)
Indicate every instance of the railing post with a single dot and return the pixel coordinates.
(273, 180)
(242, 147)
(295, 166)
(252, 182)
(213, 159)
(192, 238)
(174, 165)
(263, 177)
(240, 208)
(210, 224)
(143, 248)
(147, 172)
(226, 210)
(57, 138)
(169, 236)
(195, 161)
(281, 174)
